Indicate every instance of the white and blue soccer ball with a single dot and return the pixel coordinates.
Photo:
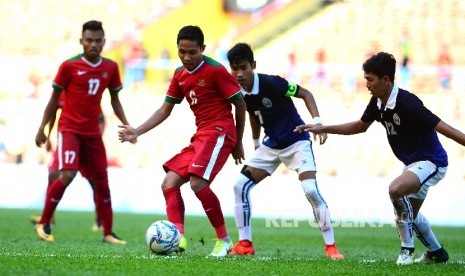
(163, 237)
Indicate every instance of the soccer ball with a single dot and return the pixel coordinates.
(163, 237)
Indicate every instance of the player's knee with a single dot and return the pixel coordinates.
(394, 191)
(311, 192)
(67, 176)
(198, 184)
(244, 182)
(309, 188)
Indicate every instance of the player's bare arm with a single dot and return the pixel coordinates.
(312, 107)
(238, 151)
(450, 132)
(49, 112)
(119, 111)
(256, 128)
(128, 133)
(118, 108)
(48, 143)
(351, 128)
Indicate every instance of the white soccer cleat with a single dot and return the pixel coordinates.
(406, 257)
(221, 248)
(430, 257)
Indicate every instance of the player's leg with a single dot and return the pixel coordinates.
(212, 150)
(262, 164)
(176, 175)
(68, 163)
(175, 208)
(299, 157)
(434, 253)
(321, 213)
(94, 164)
(248, 178)
(97, 225)
(409, 182)
(53, 174)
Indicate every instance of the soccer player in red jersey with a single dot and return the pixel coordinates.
(210, 90)
(83, 79)
(54, 172)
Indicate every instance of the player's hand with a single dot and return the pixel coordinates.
(48, 145)
(321, 137)
(127, 133)
(40, 138)
(238, 153)
(316, 129)
(309, 128)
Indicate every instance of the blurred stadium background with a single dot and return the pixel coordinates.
(318, 44)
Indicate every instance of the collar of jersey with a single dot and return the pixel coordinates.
(196, 68)
(391, 103)
(254, 88)
(91, 64)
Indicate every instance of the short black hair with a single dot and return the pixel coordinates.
(381, 64)
(93, 25)
(190, 32)
(240, 51)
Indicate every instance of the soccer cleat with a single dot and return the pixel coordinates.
(243, 248)
(97, 226)
(221, 248)
(182, 245)
(436, 256)
(34, 219)
(332, 252)
(113, 239)
(406, 256)
(44, 232)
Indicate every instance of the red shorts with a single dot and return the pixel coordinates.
(82, 153)
(204, 157)
(53, 165)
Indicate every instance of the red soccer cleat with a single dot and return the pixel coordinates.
(243, 248)
(332, 252)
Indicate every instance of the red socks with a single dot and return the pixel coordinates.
(175, 207)
(54, 194)
(212, 208)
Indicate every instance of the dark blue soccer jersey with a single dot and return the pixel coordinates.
(409, 127)
(274, 109)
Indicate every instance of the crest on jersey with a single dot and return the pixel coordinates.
(105, 75)
(267, 103)
(201, 82)
(396, 119)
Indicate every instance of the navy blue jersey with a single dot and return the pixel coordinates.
(275, 111)
(409, 127)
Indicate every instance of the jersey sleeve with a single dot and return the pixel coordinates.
(419, 114)
(115, 84)
(226, 82)
(292, 89)
(174, 93)
(289, 89)
(371, 112)
(61, 79)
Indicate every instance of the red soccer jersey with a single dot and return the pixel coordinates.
(207, 89)
(83, 84)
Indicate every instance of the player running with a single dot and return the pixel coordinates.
(269, 104)
(210, 91)
(411, 130)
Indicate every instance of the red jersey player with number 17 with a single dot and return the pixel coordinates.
(210, 91)
(83, 79)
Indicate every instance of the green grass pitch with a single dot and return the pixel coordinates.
(280, 250)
